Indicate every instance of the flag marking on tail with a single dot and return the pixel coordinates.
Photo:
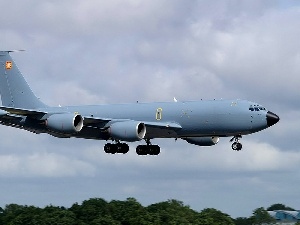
(8, 65)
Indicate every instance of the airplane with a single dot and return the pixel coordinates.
(200, 123)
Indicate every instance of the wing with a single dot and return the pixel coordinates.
(10, 116)
(161, 129)
(98, 122)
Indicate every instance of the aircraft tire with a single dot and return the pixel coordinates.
(154, 150)
(236, 146)
(110, 148)
(147, 150)
(122, 148)
(142, 150)
(107, 148)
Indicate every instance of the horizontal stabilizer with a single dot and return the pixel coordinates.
(23, 112)
(8, 51)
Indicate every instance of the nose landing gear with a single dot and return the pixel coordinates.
(236, 145)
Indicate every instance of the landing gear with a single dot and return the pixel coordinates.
(116, 148)
(123, 148)
(236, 145)
(148, 149)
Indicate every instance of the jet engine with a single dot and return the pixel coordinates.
(202, 141)
(128, 131)
(65, 123)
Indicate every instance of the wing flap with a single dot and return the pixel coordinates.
(163, 125)
(88, 120)
(162, 129)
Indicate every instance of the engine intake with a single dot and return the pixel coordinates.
(202, 141)
(128, 131)
(65, 123)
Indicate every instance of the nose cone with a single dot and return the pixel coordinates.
(272, 118)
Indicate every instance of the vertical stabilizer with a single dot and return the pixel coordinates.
(14, 90)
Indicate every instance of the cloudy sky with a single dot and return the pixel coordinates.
(90, 52)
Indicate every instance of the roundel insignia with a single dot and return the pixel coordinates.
(8, 65)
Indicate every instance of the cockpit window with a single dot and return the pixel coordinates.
(256, 108)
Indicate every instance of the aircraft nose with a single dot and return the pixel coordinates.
(272, 118)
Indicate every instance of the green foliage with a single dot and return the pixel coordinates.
(97, 211)
(279, 206)
(90, 209)
(129, 212)
(173, 212)
(30, 215)
(261, 216)
(214, 217)
(243, 221)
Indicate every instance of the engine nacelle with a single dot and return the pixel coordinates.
(202, 141)
(128, 131)
(65, 123)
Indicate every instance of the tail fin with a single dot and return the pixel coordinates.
(14, 90)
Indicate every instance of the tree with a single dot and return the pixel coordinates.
(261, 216)
(90, 210)
(130, 212)
(243, 221)
(173, 212)
(279, 206)
(104, 220)
(22, 215)
(211, 216)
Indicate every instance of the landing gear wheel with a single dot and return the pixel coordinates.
(148, 149)
(153, 149)
(142, 150)
(122, 148)
(116, 148)
(236, 146)
(110, 148)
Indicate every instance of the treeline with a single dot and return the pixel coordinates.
(97, 211)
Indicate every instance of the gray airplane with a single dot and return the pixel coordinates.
(198, 122)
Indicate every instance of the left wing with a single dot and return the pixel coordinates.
(153, 128)
(12, 116)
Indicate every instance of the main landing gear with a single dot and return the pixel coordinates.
(236, 145)
(123, 148)
(116, 148)
(148, 149)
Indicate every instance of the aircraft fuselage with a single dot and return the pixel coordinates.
(197, 118)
